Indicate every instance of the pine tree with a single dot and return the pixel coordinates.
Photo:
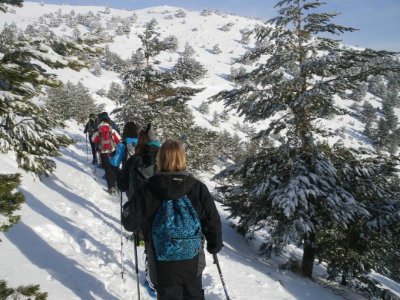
(187, 68)
(293, 190)
(9, 200)
(389, 101)
(154, 95)
(4, 4)
(14, 101)
(71, 102)
(369, 118)
(26, 127)
(115, 92)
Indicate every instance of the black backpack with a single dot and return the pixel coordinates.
(143, 167)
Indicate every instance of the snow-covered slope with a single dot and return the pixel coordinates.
(68, 241)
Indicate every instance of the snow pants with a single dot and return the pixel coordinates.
(191, 290)
(180, 280)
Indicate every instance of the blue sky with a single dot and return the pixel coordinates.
(378, 21)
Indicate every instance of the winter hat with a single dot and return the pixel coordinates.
(103, 116)
(151, 132)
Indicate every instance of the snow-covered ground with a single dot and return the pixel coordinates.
(68, 241)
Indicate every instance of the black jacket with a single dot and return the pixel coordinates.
(144, 204)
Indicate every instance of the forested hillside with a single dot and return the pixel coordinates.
(296, 134)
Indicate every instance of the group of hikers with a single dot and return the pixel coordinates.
(173, 212)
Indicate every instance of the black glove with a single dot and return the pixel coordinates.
(213, 249)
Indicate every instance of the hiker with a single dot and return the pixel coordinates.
(126, 148)
(104, 115)
(171, 200)
(134, 174)
(107, 139)
(129, 178)
(90, 128)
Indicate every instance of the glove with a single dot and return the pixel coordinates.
(213, 249)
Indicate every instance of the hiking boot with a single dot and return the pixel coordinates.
(112, 191)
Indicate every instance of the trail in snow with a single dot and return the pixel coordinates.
(69, 240)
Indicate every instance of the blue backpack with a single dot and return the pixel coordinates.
(176, 230)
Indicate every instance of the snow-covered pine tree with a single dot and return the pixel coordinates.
(71, 102)
(156, 96)
(5, 3)
(293, 190)
(112, 61)
(115, 92)
(187, 68)
(367, 243)
(10, 201)
(26, 127)
(204, 107)
(15, 101)
(368, 115)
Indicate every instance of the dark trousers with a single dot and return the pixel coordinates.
(191, 290)
(108, 169)
(94, 153)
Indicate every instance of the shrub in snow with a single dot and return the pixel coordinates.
(101, 92)
(216, 49)
(204, 108)
(206, 12)
(180, 14)
(227, 27)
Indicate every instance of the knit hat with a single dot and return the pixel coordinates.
(103, 116)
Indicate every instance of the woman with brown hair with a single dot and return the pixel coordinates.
(173, 195)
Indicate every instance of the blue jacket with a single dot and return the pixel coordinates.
(116, 159)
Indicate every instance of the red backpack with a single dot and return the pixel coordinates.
(107, 143)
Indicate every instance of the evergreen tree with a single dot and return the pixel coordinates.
(71, 102)
(112, 61)
(154, 95)
(9, 200)
(115, 92)
(4, 4)
(14, 100)
(26, 127)
(293, 189)
(367, 243)
(204, 108)
(359, 93)
(369, 118)
(389, 101)
(187, 68)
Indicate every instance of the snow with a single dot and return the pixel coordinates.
(68, 239)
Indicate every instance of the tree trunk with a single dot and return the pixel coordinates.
(307, 263)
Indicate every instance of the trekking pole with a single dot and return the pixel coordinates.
(122, 243)
(87, 151)
(135, 239)
(220, 275)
